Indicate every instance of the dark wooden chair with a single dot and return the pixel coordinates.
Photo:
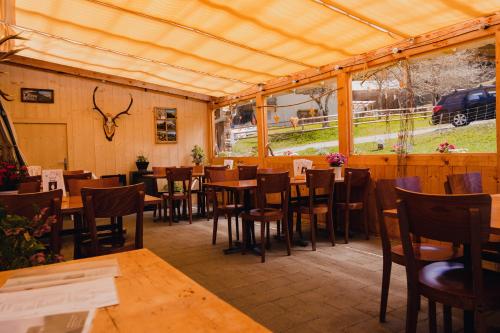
(229, 204)
(68, 177)
(112, 202)
(354, 198)
(426, 252)
(75, 185)
(267, 184)
(122, 178)
(29, 187)
(467, 183)
(246, 172)
(463, 219)
(29, 204)
(184, 177)
(209, 192)
(157, 192)
(318, 180)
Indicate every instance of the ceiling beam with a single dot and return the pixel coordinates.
(73, 71)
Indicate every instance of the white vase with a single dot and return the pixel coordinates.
(338, 173)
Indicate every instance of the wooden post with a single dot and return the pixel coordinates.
(211, 132)
(261, 115)
(344, 113)
(497, 68)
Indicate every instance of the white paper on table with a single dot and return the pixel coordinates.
(34, 170)
(68, 322)
(61, 274)
(229, 163)
(78, 296)
(300, 166)
(53, 180)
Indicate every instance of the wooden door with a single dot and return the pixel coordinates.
(43, 144)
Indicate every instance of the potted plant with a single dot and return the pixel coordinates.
(142, 163)
(336, 161)
(20, 245)
(197, 154)
(11, 175)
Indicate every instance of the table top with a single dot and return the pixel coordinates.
(156, 297)
(195, 174)
(73, 204)
(252, 183)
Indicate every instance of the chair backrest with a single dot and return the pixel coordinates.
(273, 183)
(460, 219)
(467, 183)
(320, 179)
(29, 204)
(385, 191)
(357, 183)
(68, 177)
(411, 183)
(223, 175)
(75, 185)
(113, 202)
(160, 171)
(72, 172)
(122, 178)
(29, 187)
(183, 175)
(247, 172)
(209, 169)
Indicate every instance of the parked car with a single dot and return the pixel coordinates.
(462, 107)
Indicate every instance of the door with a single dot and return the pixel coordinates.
(43, 144)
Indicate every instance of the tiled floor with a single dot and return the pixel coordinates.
(334, 289)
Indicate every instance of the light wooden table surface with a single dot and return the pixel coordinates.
(156, 297)
(74, 204)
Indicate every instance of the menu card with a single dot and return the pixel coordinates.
(300, 166)
(229, 163)
(53, 180)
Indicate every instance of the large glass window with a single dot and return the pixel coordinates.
(236, 130)
(303, 120)
(440, 102)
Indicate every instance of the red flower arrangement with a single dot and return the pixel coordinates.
(336, 159)
(445, 147)
(11, 174)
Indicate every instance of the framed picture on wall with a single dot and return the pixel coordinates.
(30, 95)
(165, 122)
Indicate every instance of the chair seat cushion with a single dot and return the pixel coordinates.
(450, 281)
(264, 215)
(426, 252)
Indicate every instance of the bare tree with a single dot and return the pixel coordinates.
(321, 96)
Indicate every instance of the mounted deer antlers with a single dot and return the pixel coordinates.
(109, 122)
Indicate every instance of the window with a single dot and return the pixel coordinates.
(236, 130)
(419, 105)
(303, 120)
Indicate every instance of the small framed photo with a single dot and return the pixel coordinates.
(165, 125)
(31, 95)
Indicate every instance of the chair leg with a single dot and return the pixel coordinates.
(268, 235)
(278, 229)
(346, 225)
(190, 210)
(447, 323)
(386, 279)
(237, 228)
(229, 231)
(214, 233)
(252, 233)
(298, 225)
(411, 313)
(262, 243)
(288, 238)
(171, 207)
(432, 317)
(329, 224)
(312, 222)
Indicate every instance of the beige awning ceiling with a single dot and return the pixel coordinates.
(219, 47)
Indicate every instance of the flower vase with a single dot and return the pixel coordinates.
(338, 172)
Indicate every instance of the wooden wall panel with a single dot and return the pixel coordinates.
(87, 146)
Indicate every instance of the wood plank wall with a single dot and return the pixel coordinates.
(87, 146)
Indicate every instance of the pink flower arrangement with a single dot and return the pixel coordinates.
(11, 174)
(336, 159)
(445, 147)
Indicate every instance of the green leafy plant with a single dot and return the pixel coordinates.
(197, 154)
(142, 159)
(20, 244)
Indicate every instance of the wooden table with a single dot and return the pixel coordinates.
(156, 297)
(74, 205)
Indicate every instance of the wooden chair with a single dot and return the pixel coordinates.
(111, 202)
(322, 180)
(426, 252)
(29, 204)
(122, 178)
(229, 205)
(184, 176)
(269, 183)
(75, 185)
(157, 192)
(83, 175)
(209, 193)
(29, 187)
(354, 197)
(246, 172)
(463, 219)
(467, 183)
